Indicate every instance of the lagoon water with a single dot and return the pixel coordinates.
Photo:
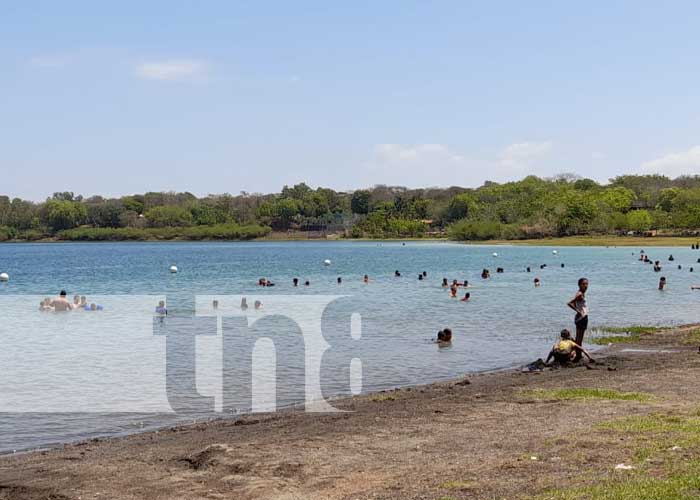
(79, 375)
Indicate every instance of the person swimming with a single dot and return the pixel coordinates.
(536, 281)
(425, 274)
(307, 283)
(340, 280)
(670, 258)
(420, 277)
(466, 297)
(657, 266)
(499, 270)
(365, 279)
(566, 350)
(485, 274)
(453, 291)
(397, 274)
(662, 283)
(161, 309)
(527, 269)
(215, 304)
(444, 283)
(295, 282)
(258, 305)
(562, 264)
(444, 336)
(244, 304)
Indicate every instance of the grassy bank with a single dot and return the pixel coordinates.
(603, 241)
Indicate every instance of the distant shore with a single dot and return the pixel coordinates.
(564, 241)
(613, 429)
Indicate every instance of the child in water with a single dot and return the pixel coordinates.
(466, 297)
(662, 283)
(161, 309)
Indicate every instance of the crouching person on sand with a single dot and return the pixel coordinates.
(566, 350)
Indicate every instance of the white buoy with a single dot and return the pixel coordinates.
(495, 254)
(554, 252)
(4, 277)
(173, 269)
(327, 262)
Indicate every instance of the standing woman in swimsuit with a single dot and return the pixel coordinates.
(578, 304)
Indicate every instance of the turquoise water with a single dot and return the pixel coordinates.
(507, 321)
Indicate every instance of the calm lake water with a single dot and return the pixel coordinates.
(55, 365)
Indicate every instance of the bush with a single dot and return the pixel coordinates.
(7, 233)
(466, 230)
(194, 233)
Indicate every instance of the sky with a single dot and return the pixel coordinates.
(115, 98)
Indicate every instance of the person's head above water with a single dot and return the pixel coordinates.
(447, 334)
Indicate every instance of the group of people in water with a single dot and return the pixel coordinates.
(644, 257)
(62, 304)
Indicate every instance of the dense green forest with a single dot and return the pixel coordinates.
(530, 208)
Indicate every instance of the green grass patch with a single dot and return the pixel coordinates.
(668, 440)
(384, 397)
(457, 485)
(624, 334)
(582, 393)
(679, 486)
(692, 338)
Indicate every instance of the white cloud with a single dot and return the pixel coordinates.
(170, 70)
(523, 154)
(675, 164)
(419, 153)
(432, 164)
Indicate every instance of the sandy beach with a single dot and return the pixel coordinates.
(501, 435)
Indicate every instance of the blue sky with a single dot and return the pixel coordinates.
(215, 97)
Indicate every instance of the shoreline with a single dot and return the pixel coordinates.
(450, 439)
(564, 241)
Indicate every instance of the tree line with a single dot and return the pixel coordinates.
(529, 208)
